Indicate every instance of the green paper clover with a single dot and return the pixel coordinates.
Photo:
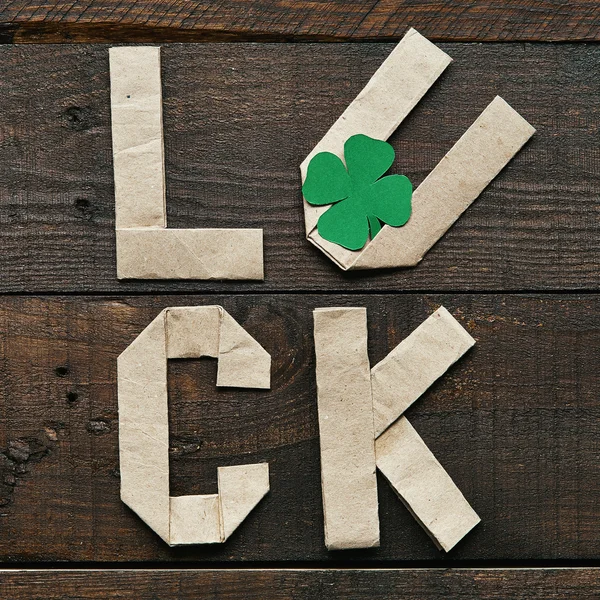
(362, 199)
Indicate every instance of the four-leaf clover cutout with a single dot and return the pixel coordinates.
(362, 199)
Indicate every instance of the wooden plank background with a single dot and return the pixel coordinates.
(240, 118)
(516, 422)
(429, 584)
(324, 20)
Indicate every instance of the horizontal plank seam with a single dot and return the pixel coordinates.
(324, 292)
(65, 570)
(175, 35)
(339, 565)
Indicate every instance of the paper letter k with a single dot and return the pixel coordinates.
(351, 397)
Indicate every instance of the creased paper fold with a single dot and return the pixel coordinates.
(184, 332)
(423, 485)
(414, 364)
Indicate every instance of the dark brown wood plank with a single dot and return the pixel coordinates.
(516, 423)
(238, 121)
(178, 20)
(307, 584)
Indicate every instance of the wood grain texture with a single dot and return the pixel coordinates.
(181, 20)
(240, 118)
(516, 423)
(306, 584)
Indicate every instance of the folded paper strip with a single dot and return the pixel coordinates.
(403, 458)
(345, 407)
(359, 406)
(414, 364)
(451, 187)
(146, 249)
(184, 332)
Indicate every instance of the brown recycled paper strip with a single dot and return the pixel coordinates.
(412, 470)
(423, 485)
(413, 365)
(214, 517)
(144, 427)
(146, 249)
(458, 179)
(137, 134)
(184, 332)
(190, 254)
(195, 520)
(241, 488)
(345, 408)
(243, 362)
(192, 320)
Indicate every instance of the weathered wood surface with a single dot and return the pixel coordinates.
(183, 21)
(240, 118)
(516, 423)
(306, 584)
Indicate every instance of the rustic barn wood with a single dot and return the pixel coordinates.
(306, 584)
(238, 121)
(516, 423)
(182, 21)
